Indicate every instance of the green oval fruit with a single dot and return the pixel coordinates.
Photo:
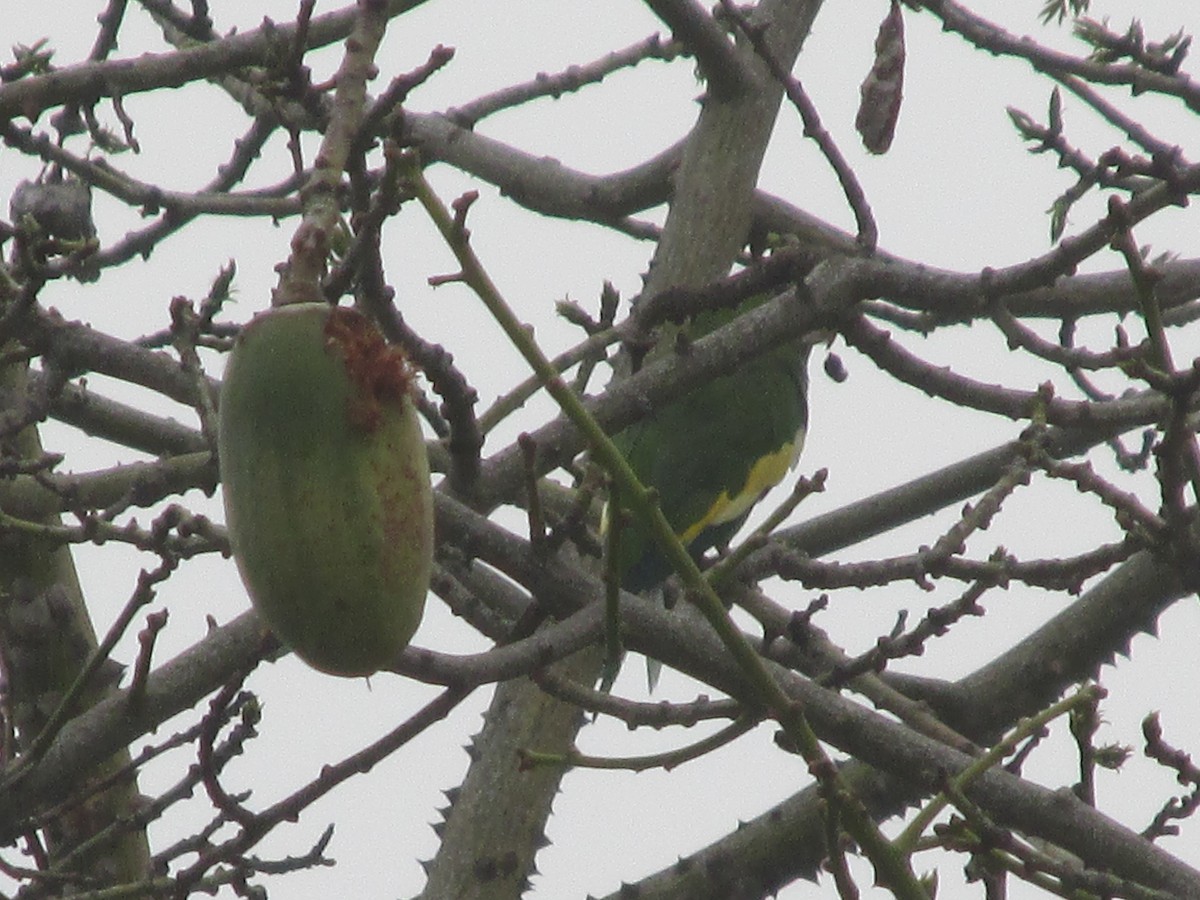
(326, 485)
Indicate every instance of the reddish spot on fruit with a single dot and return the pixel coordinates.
(379, 371)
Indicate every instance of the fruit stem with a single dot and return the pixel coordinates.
(300, 277)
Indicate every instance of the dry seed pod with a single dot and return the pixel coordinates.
(326, 485)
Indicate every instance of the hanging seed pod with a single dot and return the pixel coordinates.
(326, 485)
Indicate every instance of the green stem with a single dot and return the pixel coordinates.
(613, 649)
(666, 761)
(907, 840)
(891, 867)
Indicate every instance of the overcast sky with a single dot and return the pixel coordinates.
(957, 190)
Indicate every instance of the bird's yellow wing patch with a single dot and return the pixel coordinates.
(767, 472)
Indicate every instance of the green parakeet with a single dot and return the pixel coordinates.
(714, 452)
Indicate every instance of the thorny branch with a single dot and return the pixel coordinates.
(497, 580)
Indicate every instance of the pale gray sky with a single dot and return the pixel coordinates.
(957, 190)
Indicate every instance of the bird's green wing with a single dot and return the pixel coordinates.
(711, 455)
